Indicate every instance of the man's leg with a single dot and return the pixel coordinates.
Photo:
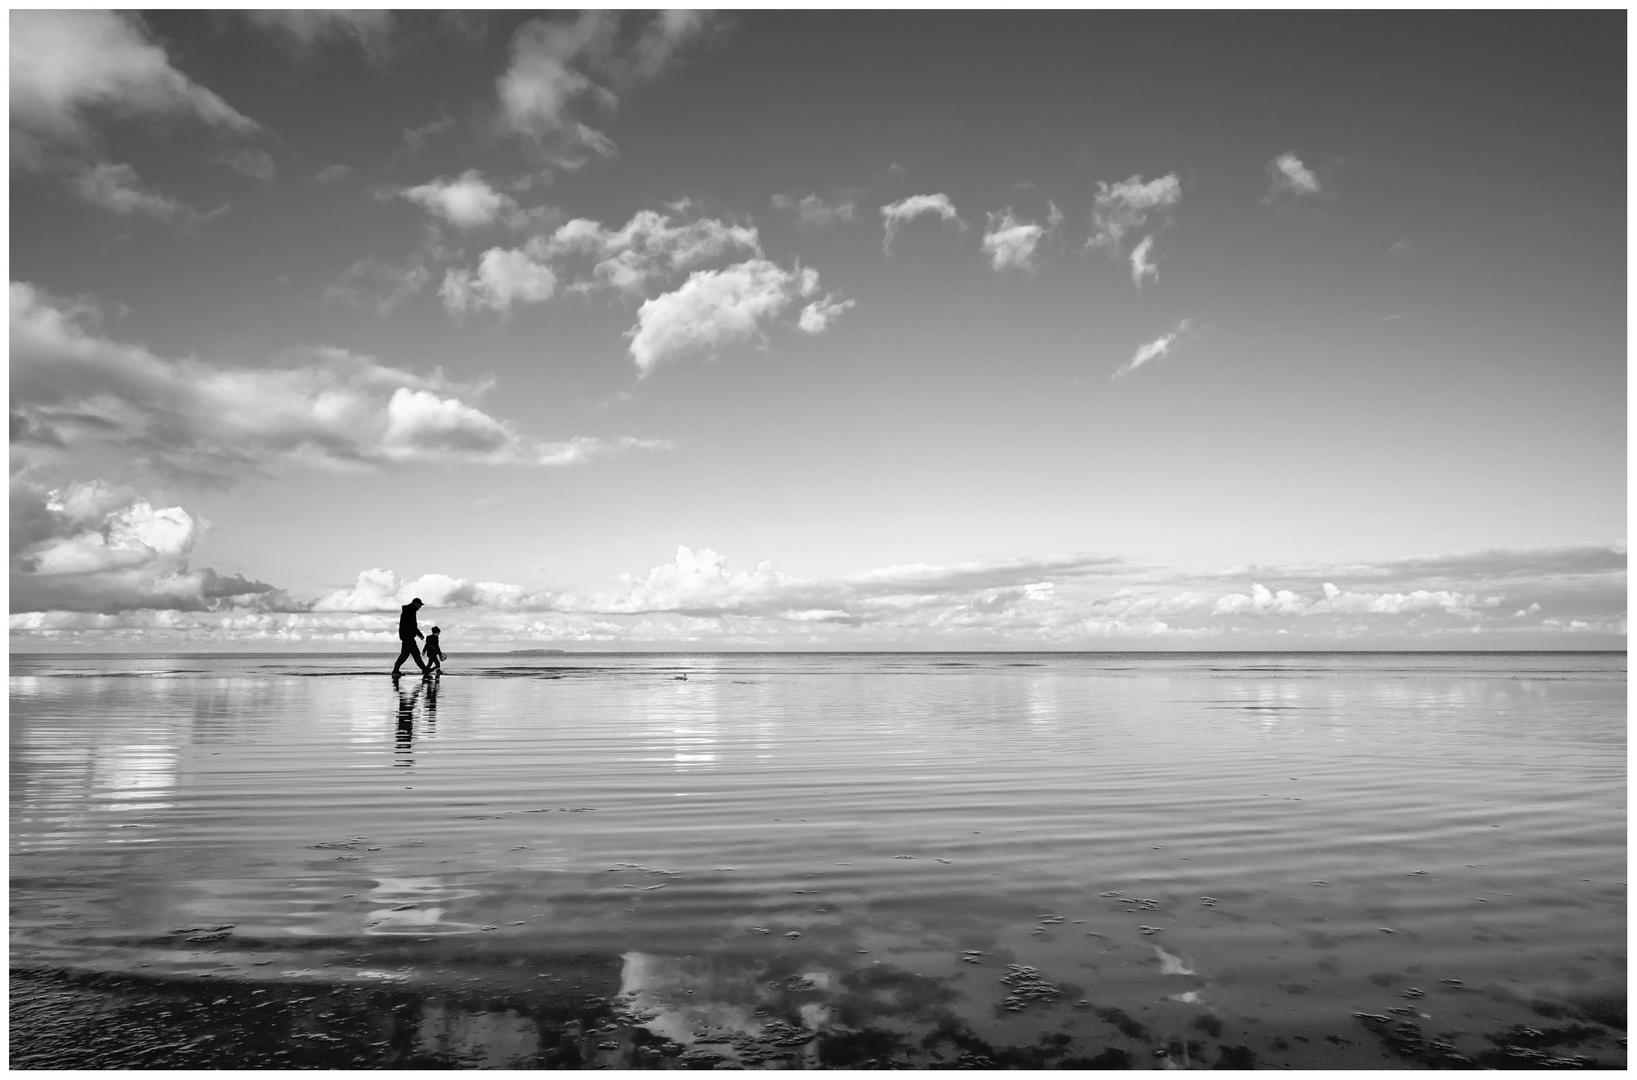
(403, 654)
(415, 651)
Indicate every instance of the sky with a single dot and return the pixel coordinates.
(818, 330)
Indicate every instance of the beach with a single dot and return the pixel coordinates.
(929, 860)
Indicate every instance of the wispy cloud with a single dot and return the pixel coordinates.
(1141, 268)
(375, 284)
(215, 424)
(1290, 177)
(895, 215)
(1160, 346)
(256, 164)
(556, 67)
(306, 31)
(66, 64)
(1012, 243)
(117, 188)
(814, 212)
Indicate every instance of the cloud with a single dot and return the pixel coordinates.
(817, 316)
(1074, 601)
(1291, 177)
(1011, 244)
(374, 284)
(503, 277)
(814, 212)
(717, 308)
(331, 173)
(1160, 346)
(118, 189)
(416, 139)
(550, 76)
(305, 31)
(1127, 205)
(69, 66)
(467, 202)
(199, 421)
(1140, 266)
(1401, 248)
(646, 248)
(895, 215)
(256, 164)
(89, 547)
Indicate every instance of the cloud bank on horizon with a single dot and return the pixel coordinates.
(490, 293)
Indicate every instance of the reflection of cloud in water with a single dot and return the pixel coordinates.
(396, 892)
(732, 999)
(680, 723)
(1171, 965)
(486, 1040)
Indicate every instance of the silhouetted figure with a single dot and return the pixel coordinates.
(407, 633)
(434, 654)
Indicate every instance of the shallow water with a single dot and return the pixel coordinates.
(921, 859)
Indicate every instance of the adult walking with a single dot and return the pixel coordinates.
(407, 633)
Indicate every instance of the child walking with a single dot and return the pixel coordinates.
(434, 654)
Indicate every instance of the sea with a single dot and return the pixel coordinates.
(864, 860)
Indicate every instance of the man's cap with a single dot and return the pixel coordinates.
(417, 602)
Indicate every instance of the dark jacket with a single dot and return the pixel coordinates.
(407, 630)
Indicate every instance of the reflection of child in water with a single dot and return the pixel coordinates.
(434, 653)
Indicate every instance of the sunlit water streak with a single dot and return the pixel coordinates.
(1277, 814)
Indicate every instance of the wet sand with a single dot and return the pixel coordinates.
(982, 862)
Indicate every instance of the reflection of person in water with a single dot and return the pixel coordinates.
(434, 654)
(407, 633)
(406, 722)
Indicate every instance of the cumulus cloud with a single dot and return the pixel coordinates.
(717, 308)
(646, 249)
(189, 418)
(69, 67)
(503, 277)
(895, 215)
(557, 67)
(649, 249)
(467, 201)
(1065, 602)
(1160, 346)
(1011, 243)
(90, 547)
(384, 591)
(307, 30)
(813, 211)
(118, 189)
(1290, 177)
(1127, 206)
